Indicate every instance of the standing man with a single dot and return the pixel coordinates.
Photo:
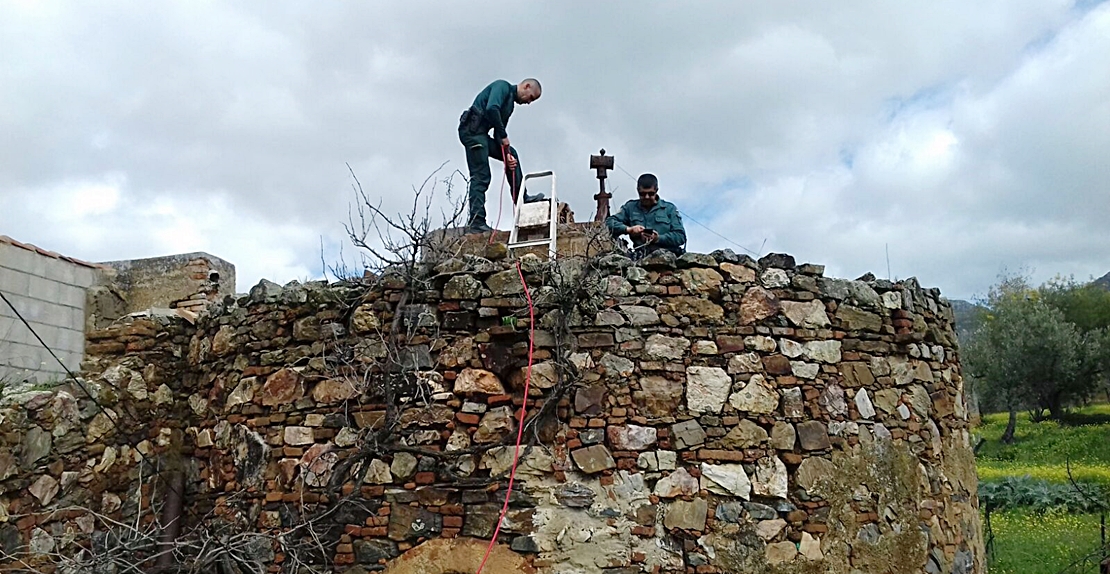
(491, 111)
(650, 222)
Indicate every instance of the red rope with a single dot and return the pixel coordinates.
(520, 423)
(501, 194)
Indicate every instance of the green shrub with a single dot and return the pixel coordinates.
(1041, 496)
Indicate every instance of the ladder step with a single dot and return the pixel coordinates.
(535, 214)
(531, 243)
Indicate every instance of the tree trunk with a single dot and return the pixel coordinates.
(1056, 409)
(1008, 436)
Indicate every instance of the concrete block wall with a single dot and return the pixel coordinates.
(49, 291)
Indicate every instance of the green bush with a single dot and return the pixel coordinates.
(1041, 496)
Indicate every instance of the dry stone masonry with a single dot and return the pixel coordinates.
(701, 414)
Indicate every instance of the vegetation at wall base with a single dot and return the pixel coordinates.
(1040, 524)
(1044, 450)
(1027, 542)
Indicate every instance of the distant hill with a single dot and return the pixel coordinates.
(1103, 282)
(967, 317)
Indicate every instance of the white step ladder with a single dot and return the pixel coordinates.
(536, 215)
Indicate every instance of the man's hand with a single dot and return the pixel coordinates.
(635, 230)
(511, 162)
(651, 236)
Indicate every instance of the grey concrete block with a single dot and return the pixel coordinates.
(71, 341)
(73, 360)
(85, 277)
(31, 309)
(44, 289)
(17, 258)
(13, 330)
(60, 271)
(36, 264)
(13, 282)
(8, 327)
(21, 356)
(57, 315)
(48, 334)
(71, 296)
(76, 319)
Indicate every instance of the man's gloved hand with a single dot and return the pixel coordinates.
(650, 236)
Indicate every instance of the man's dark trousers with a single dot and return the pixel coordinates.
(479, 148)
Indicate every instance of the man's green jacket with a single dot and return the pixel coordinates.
(496, 103)
(662, 218)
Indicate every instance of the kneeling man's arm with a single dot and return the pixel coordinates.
(676, 236)
(618, 223)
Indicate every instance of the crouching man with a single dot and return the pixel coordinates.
(650, 222)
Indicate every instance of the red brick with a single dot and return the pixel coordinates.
(725, 455)
(496, 400)
(468, 418)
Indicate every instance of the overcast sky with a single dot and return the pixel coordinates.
(964, 137)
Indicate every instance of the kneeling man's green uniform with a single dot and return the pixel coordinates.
(662, 218)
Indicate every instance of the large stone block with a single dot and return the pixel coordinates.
(707, 388)
(659, 396)
(687, 515)
(758, 304)
(593, 459)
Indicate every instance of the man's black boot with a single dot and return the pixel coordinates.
(529, 198)
(478, 227)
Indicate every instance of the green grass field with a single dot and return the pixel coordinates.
(1042, 449)
(1026, 542)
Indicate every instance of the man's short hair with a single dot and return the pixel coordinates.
(539, 88)
(647, 181)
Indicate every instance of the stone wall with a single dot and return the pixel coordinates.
(706, 414)
(48, 289)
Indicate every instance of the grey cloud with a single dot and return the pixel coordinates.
(262, 104)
